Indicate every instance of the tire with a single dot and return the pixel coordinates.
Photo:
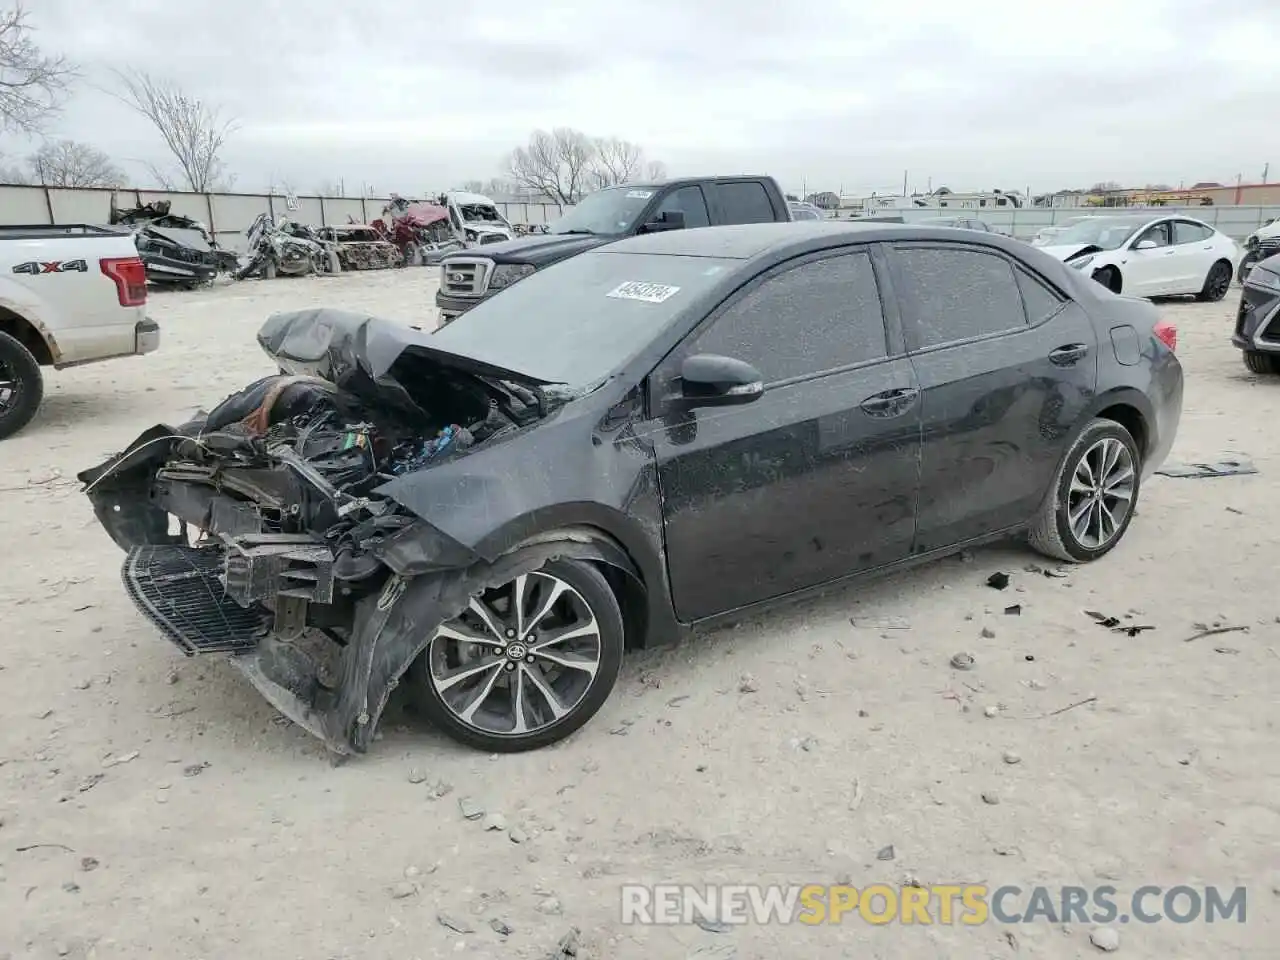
(1109, 277)
(518, 659)
(1256, 361)
(1216, 283)
(1051, 531)
(18, 403)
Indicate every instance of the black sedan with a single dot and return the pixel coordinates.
(1257, 332)
(654, 435)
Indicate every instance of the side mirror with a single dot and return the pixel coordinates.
(671, 220)
(709, 380)
(1145, 245)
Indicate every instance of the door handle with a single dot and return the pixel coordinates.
(889, 403)
(1066, 355)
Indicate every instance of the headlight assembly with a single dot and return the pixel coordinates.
(1268, 280)
(1081, 262)
(505, 274)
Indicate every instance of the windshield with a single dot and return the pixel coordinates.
(606, 212)
(804, 213)
(941, 221)
(579, 320)
(481, 213)
(1109, 233)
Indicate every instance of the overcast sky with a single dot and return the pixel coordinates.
(824, 93)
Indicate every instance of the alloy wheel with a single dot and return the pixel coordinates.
(1101, 493)
(1219, 281)
(9, 388)
(520, 658)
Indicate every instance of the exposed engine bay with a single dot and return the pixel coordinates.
(270, 524)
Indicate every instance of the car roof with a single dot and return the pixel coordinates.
(746, 241)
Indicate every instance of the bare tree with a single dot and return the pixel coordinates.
(555, 164)
(615, 161)
(493, 187)
(33, 85)
(13, 174)
(1104, 186)
(194, 131)
(66, 163)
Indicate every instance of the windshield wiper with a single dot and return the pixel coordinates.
(578, 230)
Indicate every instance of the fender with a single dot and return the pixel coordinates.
(29, 313)
(1126, 396)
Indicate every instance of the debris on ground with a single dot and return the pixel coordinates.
(711, 926)
(568, 947)
(495, 821)
(881, 623)
(991, 799)
(1233, 467)
(1013, 610)
(516, 835)
(1204, 630)
(1116, 625)
(195, 769)
(550, 906)
(470, 809)
(886, 853)
(1011, 758)
(123, 758)
(988, 633)
(88, 864)
(1106, 939)
(992, 712)
(454, 924)
(403, 889)
(747, 684)
(417, 776)
(1227, 650)
(998, 580)
(501, 927)
(963, 661)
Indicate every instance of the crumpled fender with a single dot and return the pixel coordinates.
(392, 629)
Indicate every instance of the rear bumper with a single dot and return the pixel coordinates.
(146, 337)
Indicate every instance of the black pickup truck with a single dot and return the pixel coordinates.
(602, 217)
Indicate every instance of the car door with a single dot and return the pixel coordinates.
(1150, 272)
(1194, 253)
(814, 480)
(687, 201)
(1006, 365)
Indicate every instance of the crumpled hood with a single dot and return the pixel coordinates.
(1065, 252)
(182, 237)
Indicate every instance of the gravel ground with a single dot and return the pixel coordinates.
(154, 805)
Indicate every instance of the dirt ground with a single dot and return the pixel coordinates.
(152, 805)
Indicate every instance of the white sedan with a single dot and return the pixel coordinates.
(1145, 256)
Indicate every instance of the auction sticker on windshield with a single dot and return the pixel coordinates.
(647, 292)
(639, 194)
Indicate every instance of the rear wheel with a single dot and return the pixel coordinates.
(1263, 363)
(21, 386)
(527, 663)
(1091, 502)
(1216, 284)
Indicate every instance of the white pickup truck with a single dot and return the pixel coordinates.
(68, 295)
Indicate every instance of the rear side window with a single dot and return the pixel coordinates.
(957, 294)
(1184, 231)
(1042, 302)
(689, 201)
(744, 202)
(818, 316)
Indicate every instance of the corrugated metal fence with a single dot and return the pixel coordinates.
(227, 214)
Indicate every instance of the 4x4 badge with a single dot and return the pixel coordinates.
(35, 267)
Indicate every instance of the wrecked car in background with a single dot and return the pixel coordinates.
(419, 230)
(176, 250)
(285, 248)
(624, 445)
(360, 247)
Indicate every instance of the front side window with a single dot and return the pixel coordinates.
(1157, 234)
(690, 202)
(819, 316)
(1185, 231)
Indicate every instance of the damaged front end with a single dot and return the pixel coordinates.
(264, 528)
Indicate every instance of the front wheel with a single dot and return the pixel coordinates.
(1216, 283)
(527, 663)
(1109, 277)
(21, 385)
(1091, 502)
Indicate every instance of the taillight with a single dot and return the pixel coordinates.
(130, 278)
(1168, 334)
